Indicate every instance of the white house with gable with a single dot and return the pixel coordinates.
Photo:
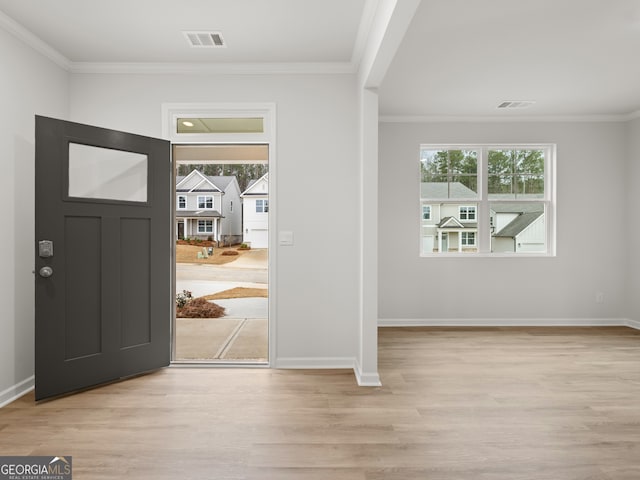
(208, 206)
(255, 212)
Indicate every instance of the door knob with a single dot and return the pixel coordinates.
(46, 272)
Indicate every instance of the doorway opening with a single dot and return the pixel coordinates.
(222, 253)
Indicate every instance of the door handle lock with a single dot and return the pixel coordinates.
(46, 272)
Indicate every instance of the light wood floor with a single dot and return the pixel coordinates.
(463, 404)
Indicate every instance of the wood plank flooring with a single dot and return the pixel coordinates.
(456, 403)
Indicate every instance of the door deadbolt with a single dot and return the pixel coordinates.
(46, 272)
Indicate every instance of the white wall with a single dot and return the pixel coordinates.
(633, 200)
(29, 84)
(591, 164)
(317, 290)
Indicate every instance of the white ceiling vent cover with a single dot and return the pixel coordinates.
(205, 39)
(516, 104)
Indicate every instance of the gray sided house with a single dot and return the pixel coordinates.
(209, 207)
(452, 226)
(517, 227)
(448, 227)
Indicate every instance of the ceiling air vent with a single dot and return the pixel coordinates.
(516, 104)
(205, 39)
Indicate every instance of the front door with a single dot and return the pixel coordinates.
(103, 298)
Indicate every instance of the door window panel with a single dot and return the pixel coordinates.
(107, 174)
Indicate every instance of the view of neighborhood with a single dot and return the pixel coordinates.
(222, 226)
(450, 207)
(221, 207)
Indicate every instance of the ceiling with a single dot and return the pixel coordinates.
(464, 57)
(459, 58)
(256, 31)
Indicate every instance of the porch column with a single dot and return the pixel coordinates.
(186, 233)
(439, 233)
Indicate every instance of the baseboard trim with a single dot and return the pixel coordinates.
(314, 362)
(503, 322)
(16, 391)
(632, 323)
(366, 379)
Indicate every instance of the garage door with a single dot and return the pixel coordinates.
(427, 244)
(258, 238)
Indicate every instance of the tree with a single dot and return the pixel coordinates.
(450, 166)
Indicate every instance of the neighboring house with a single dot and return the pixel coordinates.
(255, 212)
(517, 228)
(208, 206)
(448, 227)
(453, 227)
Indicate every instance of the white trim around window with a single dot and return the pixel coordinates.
(181, 202)
(205, 202)
(205, 226)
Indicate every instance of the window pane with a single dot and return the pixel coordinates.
(107, 174)
(517, 227)
(530, 186)
(516, 174)
(449, 173)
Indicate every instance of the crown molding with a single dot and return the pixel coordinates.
(497, 119)
(321, 68)
(31, 40)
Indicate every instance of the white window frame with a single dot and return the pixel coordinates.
(428, 207)
(482, 201)
(206, 224)
(469, 208)
(178, 207)
(265, 205)
(213, 203)
(466, 234)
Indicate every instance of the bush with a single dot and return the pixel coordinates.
(200, 308)
(183, 298)
(229, 252)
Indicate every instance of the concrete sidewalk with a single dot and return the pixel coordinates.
(222, 339)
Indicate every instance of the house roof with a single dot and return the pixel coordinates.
(453, 222)
(255, 182)
(517, 207)
(218, 182)
(222, 182)
(197, 214)
(445, 190)
(518, 224)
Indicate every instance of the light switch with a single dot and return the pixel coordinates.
(285, 238)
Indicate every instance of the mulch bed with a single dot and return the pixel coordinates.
(200, 308)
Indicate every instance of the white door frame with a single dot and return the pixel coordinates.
(170, 114)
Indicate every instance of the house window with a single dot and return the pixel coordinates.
(468, 239)
(205, 226)
(262, 206)
(501, 195)
(182, 202)
(231, 206)
(205, 202)
(467, 213)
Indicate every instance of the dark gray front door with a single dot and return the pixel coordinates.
(103, 225)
